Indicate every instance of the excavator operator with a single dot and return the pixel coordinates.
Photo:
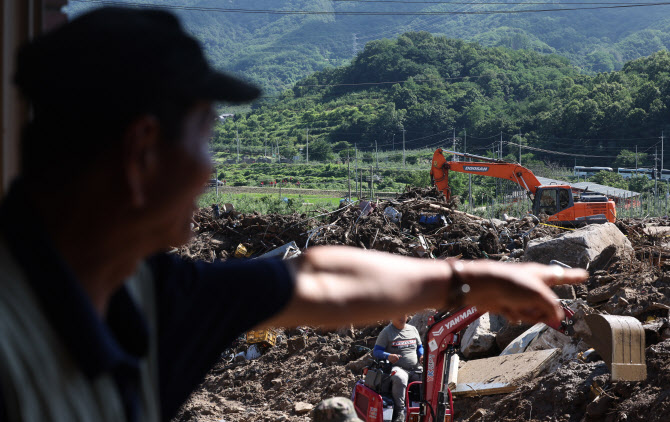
(400, 344)
(548, 202)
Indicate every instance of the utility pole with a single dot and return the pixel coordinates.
(356, 171)
(655, 176)
(393, 142)
(454, 142)
(465, 141)
(662, 139)
(372, 181)
(348, 177)
(469, 192)
(307, 131)
(465, 149)
(519, 146)
(501, 154)
(265, 146)
(237, 135)
(376, 155)
(403, 147)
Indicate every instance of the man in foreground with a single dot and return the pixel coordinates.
(97, 322)
(400, 344)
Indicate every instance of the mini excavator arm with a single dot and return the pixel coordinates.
(439, 171)
(442, 339)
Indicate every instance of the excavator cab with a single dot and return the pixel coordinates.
(559, 204)
(552, 200)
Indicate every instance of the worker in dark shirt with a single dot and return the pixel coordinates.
(97, 322)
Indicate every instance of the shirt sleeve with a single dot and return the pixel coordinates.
(382, 339)
(202, 309)
(379, 352)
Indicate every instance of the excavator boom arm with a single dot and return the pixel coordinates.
(518, 174)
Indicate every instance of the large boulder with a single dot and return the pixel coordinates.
(479, 339)
(595, 247)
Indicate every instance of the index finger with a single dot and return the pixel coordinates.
(559, 275)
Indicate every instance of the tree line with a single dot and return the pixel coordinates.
(432, 88)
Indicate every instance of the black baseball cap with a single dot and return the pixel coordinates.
(114, 59)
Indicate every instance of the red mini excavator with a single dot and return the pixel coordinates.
(556, 201)
(618, 340)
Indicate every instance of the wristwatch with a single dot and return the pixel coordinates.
(458, 288)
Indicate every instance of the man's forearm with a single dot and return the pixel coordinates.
(380, 352)
(338, 284)
(335, 285)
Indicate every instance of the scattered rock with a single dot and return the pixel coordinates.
(595, 247)
(477, 415)
(296, 344)
(565, 291)
(301, 408)
(509, 332)
(479, 339)
(603, 293)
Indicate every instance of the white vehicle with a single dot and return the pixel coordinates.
(582, 171)
(628, 173)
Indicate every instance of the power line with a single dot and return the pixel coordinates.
(561, 153)
(477, 3)
(592, 139)
(351, 13)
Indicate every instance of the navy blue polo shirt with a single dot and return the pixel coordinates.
(202, 308)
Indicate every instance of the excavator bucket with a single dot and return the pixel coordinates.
(620, 342)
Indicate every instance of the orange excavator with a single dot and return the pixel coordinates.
(556, 201)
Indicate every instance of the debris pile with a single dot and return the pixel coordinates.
(417, 223)
(306, 365)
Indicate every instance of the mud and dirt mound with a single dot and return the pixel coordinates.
(581, 391)
(324, 364)
(308, 365)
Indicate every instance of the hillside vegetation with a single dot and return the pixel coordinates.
(434, 87)
(276, 50)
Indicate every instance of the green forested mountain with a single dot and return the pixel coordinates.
(445, 86)
(277, 49)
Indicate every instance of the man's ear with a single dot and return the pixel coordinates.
(141, 142)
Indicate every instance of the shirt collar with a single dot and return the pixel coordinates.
(97, 345)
